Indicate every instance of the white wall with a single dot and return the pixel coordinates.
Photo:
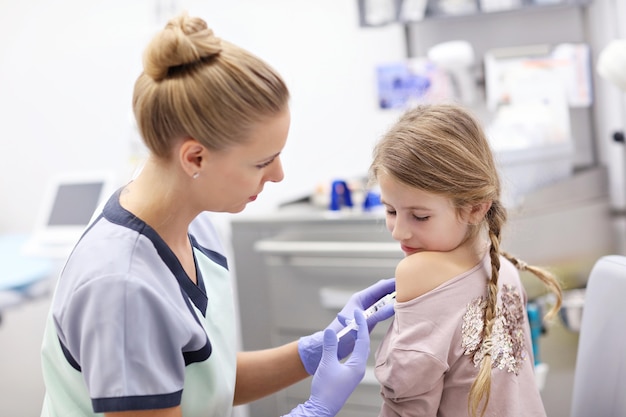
(67, 69)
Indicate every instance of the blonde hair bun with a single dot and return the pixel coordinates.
(185, 40)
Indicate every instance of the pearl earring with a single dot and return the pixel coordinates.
(195, 175)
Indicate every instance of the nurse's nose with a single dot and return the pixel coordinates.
(275, 173)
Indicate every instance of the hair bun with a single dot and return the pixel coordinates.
(184, 40)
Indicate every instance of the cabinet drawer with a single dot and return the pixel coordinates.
(308, 291)
(309, 281)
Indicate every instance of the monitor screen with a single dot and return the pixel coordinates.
(74, 204)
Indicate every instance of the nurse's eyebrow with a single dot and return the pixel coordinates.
(266, 162)
(270, 158)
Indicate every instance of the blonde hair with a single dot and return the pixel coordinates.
(442, 149)
(196, 85)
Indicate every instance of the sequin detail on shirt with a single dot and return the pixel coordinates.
(507, 337)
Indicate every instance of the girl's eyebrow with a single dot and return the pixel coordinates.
(408, 208)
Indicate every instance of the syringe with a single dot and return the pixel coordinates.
(351, 324)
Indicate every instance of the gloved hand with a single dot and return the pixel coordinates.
(333, 381)
(310, 347)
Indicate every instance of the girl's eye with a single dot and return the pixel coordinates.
(391, 212)
(421, 219)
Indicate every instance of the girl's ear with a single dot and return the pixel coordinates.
(478, 211)
(191, 155)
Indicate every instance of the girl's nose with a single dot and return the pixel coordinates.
(400, 231)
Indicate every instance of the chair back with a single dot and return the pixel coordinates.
(600, 374)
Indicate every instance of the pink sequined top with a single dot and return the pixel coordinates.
(426, 362)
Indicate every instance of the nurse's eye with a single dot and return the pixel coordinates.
(265, 164)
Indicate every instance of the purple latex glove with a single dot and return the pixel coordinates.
(334, 381)
(310, 347)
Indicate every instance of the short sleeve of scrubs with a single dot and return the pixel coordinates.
(146, 362)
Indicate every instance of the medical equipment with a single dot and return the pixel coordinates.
(457, 57)
(351, 324)
(70, 203)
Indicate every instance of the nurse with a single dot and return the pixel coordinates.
(142, 322)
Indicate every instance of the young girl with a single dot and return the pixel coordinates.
(460, 340)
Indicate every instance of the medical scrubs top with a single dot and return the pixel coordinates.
(128, 329)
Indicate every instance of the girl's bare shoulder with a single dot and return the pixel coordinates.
(421, 272)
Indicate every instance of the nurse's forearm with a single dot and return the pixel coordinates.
(263, 372)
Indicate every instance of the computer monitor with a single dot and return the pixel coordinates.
(69, 204)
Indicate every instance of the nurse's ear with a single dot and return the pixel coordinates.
(191, 155)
